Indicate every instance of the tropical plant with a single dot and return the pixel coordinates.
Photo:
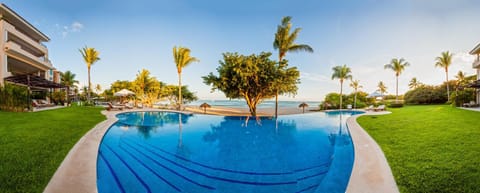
(355, 85)
(90, 56)
(461, 78)
(398, 66)
(98, 88)
(68, 79)
(182, 59)
(146, 87)
(382, 88)
(285, 42)
(14, 98)
(171, 93)
(341, 73)
(414, 83)
(248, 77)
(444, 61)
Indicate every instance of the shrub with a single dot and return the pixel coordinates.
(396, 105)
(426, 94)
(14, 98)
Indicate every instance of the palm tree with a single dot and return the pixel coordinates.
(460, 78)
(355, 85)
(285, 42)
(182, 59)
(444, 61)
(382, 88)
(414, 83)
(397, 65)
(68, 79)
(90, 56)
(98, 88)
(341, 73)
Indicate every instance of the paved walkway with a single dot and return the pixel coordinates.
(470, 108)
(77, 173)
(371, 172)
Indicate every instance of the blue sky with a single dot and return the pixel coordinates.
(363, 34)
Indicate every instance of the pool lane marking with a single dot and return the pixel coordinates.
(215, 177)
(129, 168)
(308, 188)
(115, 177)
(150, 169)
(234, 171)
(170, 170)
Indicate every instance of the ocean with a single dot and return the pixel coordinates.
(265, 104)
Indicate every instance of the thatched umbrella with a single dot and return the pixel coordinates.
(303, 105)
(205, 106)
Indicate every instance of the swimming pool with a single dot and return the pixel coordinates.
(174, 152)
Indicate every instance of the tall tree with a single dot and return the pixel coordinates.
(398, 66)
(382, 88)
(342, 73)
(68, 79)
(285, 42)
(90, 56)
(182, 59)
(355, 85)
(414, 83)
(444, 61)
(249, 77)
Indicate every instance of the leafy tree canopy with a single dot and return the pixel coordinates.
(252, 77)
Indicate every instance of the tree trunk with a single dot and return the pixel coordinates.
(252, 105)
(448, 87)
(396, 91)
(68, 97)
(89, 85)
(276, 104)
(179, 91)
(341, 91)
(355, 100)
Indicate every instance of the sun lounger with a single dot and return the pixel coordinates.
(380, 108)
(369, 108)
(113, 107)
(39, 103)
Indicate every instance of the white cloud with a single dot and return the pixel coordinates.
(313, 77)
(72, 28)
(76, 26)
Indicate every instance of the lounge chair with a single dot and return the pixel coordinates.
(471, 104)
(380, 108)
(369, 108)
(113, 107)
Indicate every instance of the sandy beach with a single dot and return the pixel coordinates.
(232, 111)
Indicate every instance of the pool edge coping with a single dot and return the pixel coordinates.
(371, 172)
(78, 171)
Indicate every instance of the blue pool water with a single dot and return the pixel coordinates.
(172, 152)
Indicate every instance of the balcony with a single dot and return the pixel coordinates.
(25, 39)
(476, 63)
(14, 50)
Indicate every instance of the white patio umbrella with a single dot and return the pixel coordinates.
(123, 93)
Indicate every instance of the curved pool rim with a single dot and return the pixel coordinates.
(354, 112)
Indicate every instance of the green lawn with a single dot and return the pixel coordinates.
(430, 148)
(32, 145)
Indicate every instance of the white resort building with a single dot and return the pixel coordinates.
(23, 56)
(476, 65)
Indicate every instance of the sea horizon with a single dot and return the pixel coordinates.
(239, 103)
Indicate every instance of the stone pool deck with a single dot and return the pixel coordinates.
(77, 172)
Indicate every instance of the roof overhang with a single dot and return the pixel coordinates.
(33, 81)
(475, 50)
(19, 22)
(474, 84)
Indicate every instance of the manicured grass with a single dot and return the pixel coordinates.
(32, 145)
(430, 148)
